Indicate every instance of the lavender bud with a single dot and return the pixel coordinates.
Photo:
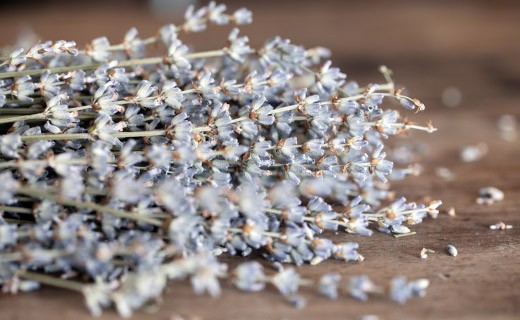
(8, 188)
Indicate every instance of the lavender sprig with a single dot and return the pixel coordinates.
(119, 169)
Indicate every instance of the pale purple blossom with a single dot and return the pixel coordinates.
(238, 46)
(24, 88)
(98, 49)
(250, 276)
(242, 16)
(216, 13)
(125, 175)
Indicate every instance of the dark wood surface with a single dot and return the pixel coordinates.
(473, 46)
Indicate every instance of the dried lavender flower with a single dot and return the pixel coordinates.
(444, 173)
(451, 250)
(242, 16)
(250, 276)
(98, 49)
(508, 127)
(7, 187)
(9, 145)
(23, 89)
(424, 253)
(490, 195)
(401, 290)
(500, 226)
(328, 285)
(137, 170)
(473, 153)
(360, 286)
(287, 281)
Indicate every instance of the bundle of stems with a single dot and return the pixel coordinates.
(120, 171)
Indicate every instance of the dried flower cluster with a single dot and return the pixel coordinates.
(127, 170)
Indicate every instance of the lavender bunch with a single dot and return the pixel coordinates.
(129, 170)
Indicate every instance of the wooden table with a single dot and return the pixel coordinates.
(472, 46)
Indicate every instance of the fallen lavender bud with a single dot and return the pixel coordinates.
(424, 253)
(328, 285)
(508, 127)
(360, 286)
(490, 195)
(401, 290)
(451, 250)
(500, 226)
(444, 173)
(473, 153)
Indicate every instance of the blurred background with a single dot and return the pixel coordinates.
(461, 58)
(466, 51)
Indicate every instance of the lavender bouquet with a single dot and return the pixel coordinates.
(126, 171)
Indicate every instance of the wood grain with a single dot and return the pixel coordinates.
(471, 45)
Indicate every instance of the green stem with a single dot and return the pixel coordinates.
(86, 136)
(15, 209)
(284, 109)
(139, 134)
(17, 221)
(88, 205)
(308, 218)
(51, 281)
(39, 116)
(15, 163)
(60, 136)
(405, 234)
(10, 257)
(125, 63)
(18, 111)
(401, 213)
